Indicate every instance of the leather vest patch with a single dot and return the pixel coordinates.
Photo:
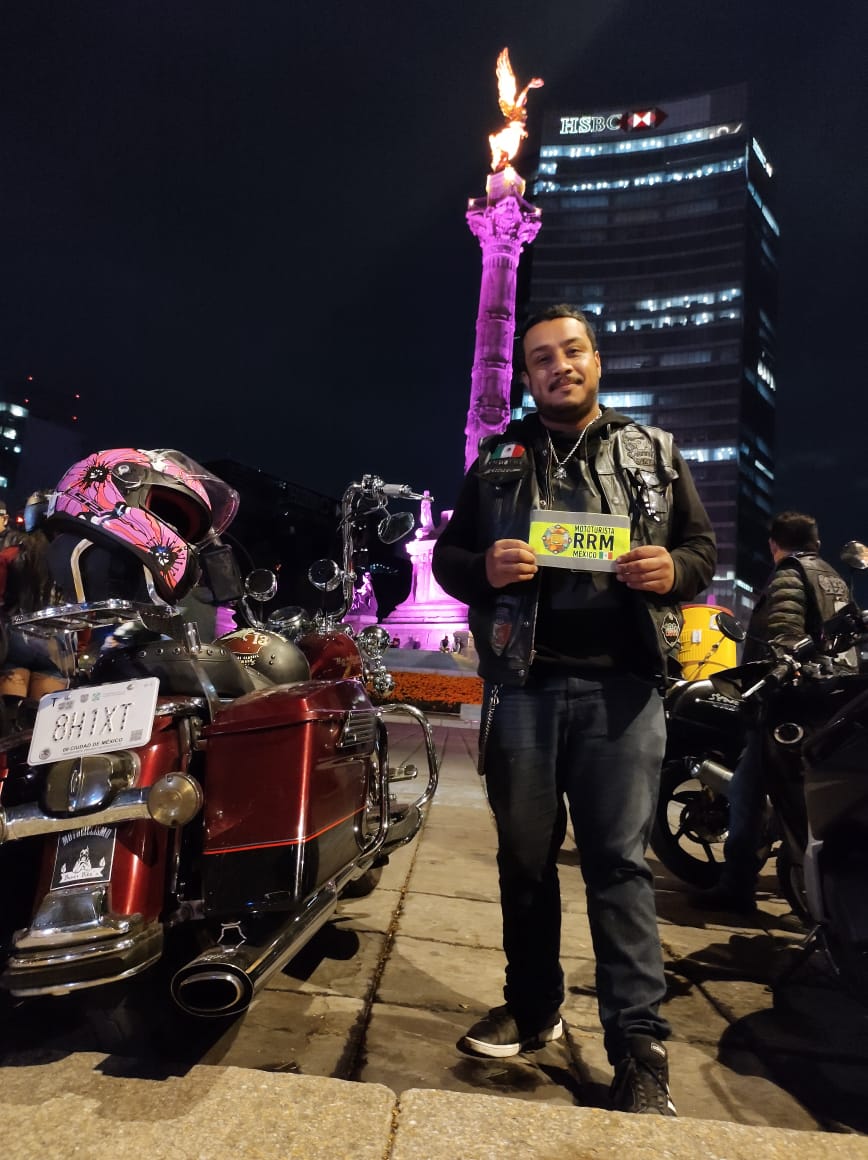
(504, 461)
(670, 629)
(833, 585)
(639, 447)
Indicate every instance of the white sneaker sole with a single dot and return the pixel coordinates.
(505, 1050)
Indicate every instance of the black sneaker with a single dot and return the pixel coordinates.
(641, 1082)
(497, 1035)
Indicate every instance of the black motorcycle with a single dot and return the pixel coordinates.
(705, 734)
(815, 716)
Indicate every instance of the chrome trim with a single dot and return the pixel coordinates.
(29, 821)
(90, 781)
(71, 941)
(72, 915)
(433, 762)
(183, 706)
(359, 728)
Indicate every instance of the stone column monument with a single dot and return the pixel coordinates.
(504, 223)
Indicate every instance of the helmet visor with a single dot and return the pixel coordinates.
(222, 497)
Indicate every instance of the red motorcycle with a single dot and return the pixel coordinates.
(200, 805)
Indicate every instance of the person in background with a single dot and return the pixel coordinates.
(26, 584)
(8, 536)
(800, 595)
(573, 662)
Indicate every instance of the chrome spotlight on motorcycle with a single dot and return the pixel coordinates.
(325, 575)
(259, 585)
(374, 641)
(290, 621)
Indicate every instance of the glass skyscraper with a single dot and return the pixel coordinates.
(658, 222)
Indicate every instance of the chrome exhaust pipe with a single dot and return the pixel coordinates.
(716, 776)
(223, 980)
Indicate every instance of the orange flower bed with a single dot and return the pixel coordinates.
(436, 690)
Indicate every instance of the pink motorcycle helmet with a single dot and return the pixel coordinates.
(158, 505)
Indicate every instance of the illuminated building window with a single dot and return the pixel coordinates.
(761, 157)
(710, 454)
(629, 400)
(14, 410)
(765, 374)
(766, 212)
(667, 321)
(665, 178)
(642, 144)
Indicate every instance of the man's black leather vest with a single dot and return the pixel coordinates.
(633, 469)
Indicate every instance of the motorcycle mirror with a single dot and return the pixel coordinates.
(324, 575)
(730, 627)
(855, 555)
(395, 527)
(260, 584)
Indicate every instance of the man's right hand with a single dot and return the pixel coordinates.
(507, 561)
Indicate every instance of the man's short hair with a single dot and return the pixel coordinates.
(549, 314)
(795, 531)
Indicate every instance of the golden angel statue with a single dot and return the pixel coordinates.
(504, 145)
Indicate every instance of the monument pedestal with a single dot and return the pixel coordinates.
(428, 614)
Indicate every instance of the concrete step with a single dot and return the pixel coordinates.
(93, 1107)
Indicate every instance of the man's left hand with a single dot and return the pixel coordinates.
(647, 569)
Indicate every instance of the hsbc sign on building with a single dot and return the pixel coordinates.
(628, 122)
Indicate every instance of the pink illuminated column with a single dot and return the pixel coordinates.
(504, 223)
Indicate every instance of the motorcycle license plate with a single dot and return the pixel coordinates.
(74, 722)
(84, 856)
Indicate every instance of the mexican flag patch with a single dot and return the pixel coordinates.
(508, 451)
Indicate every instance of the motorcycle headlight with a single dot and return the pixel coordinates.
(82, 784)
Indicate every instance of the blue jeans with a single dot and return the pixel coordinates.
(593, 743)
(747, 795)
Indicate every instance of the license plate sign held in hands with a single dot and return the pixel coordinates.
(584, 541)
(93, 720)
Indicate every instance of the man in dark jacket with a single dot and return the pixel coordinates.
(802, 593)
(574, 634)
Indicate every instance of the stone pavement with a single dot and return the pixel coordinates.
(351, 1050)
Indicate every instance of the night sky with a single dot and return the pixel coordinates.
(238, 227)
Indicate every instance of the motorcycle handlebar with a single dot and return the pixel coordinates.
(401, 491)
(789, 665)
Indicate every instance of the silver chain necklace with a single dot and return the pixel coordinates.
(560, 468)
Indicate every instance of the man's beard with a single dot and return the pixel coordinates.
(566, 411)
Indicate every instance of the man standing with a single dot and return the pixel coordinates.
(802, 593)
(573, 659)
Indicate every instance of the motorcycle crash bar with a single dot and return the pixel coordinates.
(173, 800)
